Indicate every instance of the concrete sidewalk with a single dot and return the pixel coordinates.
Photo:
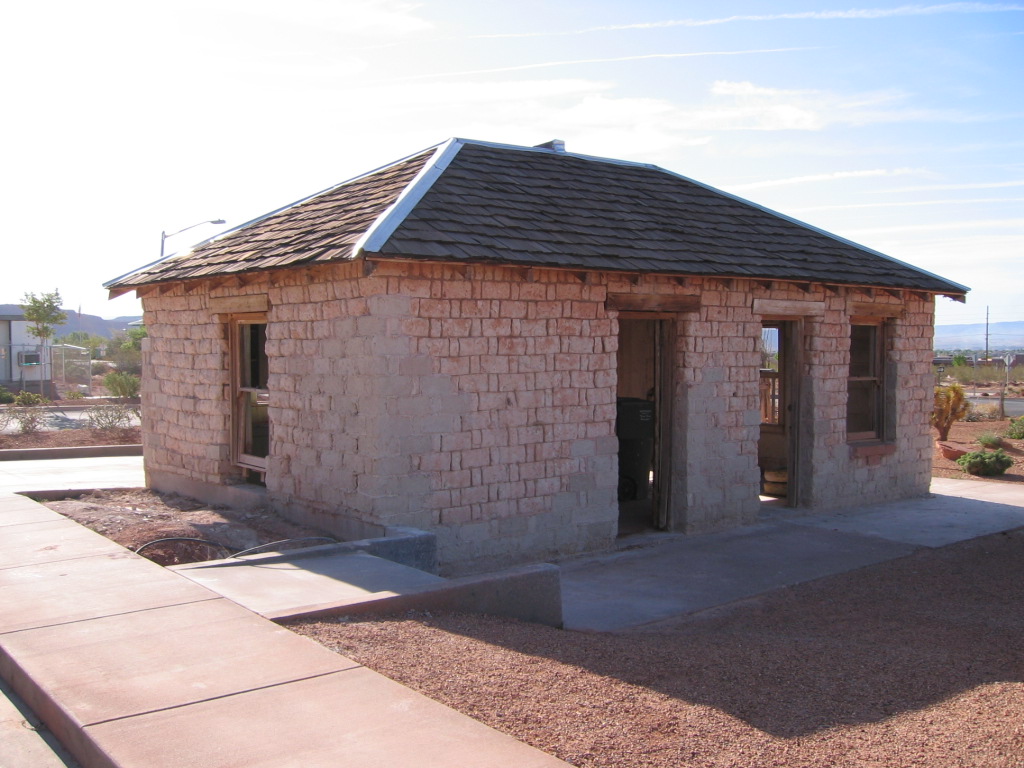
(659, 576)
(132, 665)
(71, 474)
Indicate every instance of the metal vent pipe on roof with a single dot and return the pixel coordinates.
(555, 145)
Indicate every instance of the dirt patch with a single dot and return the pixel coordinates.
(136, 517)
(964, 435)
(72, 438)
(915, 662)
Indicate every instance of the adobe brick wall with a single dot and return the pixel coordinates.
(479, 402)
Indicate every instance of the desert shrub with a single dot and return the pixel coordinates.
(28, 399)
(101, 367)
(950, 404)
(6, 396)
(6, 417)
(29, 418)
(1016, 429)
(73, 394)
(986, 412)
(990, 440)
(985, 463)
(123, 385)
(110, 416)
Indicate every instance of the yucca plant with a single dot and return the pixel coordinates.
(950, 405)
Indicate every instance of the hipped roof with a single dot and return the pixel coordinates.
(475, 202)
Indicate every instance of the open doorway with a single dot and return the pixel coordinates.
(776, 448)
(643, 413)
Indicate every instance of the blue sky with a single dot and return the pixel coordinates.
(899, 126)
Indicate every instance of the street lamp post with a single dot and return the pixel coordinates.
(164, 235)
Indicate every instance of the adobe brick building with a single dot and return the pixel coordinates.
(448, 343)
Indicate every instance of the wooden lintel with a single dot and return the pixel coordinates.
(229, 305)
(867, 310)
(646, 302)
(787, 308)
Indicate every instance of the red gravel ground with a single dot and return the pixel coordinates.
(915, 662)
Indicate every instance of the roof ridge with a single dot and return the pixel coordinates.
(267, 215)
(392, 217)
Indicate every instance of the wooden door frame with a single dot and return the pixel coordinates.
(791, 347)
(664, 400)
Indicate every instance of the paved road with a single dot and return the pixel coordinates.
(1013, 406)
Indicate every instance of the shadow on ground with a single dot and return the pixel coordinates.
(855, 648)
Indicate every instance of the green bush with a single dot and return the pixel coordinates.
(110, 416)
(1016, 429)
(990, 440)
(123, 385)
(28, 399)
(985, 463)
(6, 396)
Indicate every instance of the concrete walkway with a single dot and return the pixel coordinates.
(659, 576)
(132, 665)
(71, 474)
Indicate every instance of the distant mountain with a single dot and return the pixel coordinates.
(91, 324)
(1000, 336)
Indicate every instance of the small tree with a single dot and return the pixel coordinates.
(43, 313)
(950, 405)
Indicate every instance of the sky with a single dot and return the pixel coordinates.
(899, 126)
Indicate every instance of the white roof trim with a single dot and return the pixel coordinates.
(373, 239)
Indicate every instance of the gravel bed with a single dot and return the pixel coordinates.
(915, 662)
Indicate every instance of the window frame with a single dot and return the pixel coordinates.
(875, 376)
(245, 393)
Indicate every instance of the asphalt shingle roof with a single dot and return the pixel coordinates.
(477, 202)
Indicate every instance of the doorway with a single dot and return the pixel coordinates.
(777, 447)
(642, 424)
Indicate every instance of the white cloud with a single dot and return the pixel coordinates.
(852, 14)
(946, 226)
(950, 187)
(912, 204)
(606, 60)
(834, 176)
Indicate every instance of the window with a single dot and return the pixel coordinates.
(865, 395)
(251, 397)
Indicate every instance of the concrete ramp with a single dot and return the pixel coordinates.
(336, 580)
(274, 584)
